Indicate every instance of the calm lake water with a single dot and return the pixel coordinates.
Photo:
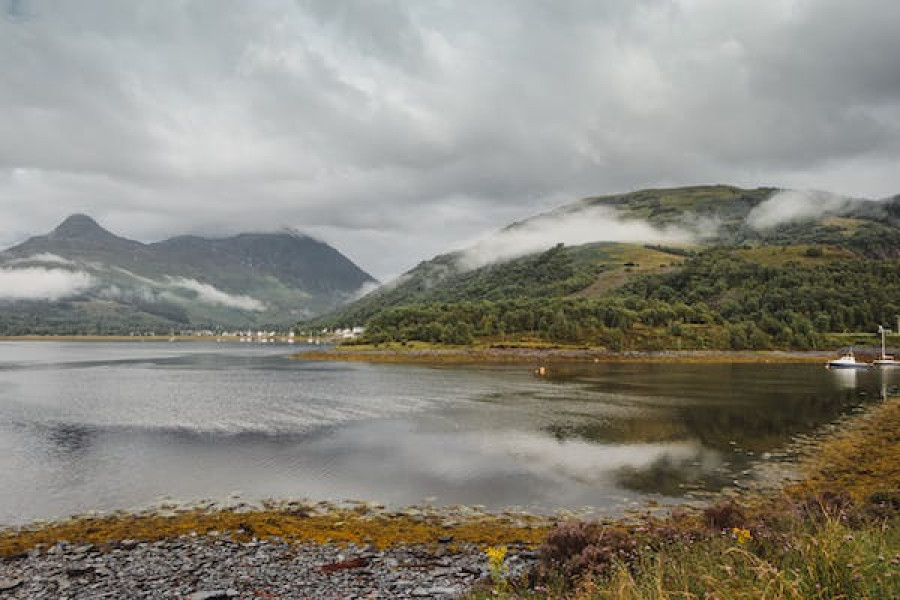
(87, 426)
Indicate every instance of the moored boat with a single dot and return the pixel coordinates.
(847, 361)
(886, 360)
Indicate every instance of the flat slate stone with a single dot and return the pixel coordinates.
(213, 595)
(9, 584)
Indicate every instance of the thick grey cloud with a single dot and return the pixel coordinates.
(397, 130)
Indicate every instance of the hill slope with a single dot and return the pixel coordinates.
(710, 266)
(81, 278)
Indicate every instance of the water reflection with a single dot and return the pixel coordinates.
(672, 475)
(845, 379)
(86, 426)
(68, 439)
(733, 413)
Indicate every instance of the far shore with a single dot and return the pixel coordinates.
(423, 353)
(537, 356)
(118, 338)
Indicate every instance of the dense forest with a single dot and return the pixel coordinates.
(557, 272)
(739, 298)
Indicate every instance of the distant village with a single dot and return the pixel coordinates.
(262, 336)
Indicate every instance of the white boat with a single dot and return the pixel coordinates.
(847, 361)
(886, 360)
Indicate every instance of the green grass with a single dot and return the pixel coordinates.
(813, 560)
(828, 560)
(802, 254)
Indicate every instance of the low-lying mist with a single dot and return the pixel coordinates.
(176, 290)
(209, 294)
(38, 283)
(792, 206)
(574, 227)
(72, 278)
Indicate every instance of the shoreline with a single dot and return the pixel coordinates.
(500, 355)
(115, 338)
(353, 522)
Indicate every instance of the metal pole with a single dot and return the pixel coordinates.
(882, 330)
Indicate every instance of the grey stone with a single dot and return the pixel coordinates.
(213, 595)
(9, 584)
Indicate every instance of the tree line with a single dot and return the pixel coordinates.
(717, 300)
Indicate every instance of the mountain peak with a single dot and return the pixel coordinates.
(80, 227)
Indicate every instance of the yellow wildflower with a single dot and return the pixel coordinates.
(496, 555)
(741, 535)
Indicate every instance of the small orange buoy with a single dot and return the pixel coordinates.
(542, 371)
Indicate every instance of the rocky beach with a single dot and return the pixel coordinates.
(286, 550)
(221, 567)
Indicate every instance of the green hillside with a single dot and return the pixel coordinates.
(560, 271)
(790, 285)
(730, 205)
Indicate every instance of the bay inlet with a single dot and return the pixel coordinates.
(105, 426)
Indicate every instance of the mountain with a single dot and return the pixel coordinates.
(704, 266)
(81, 278)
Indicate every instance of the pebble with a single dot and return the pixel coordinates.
(219, 568)
(213, 595)
(9, 584)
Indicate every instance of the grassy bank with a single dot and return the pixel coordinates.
(425, 353)
(834, 534)
(359, 524)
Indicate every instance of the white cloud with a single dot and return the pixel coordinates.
(409, 107)
(38, 283)
(369, 286)
(152, 290)
(43, 257)
(593, 224)
(795, 205)
(212, 295)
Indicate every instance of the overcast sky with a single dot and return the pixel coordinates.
(398, 130)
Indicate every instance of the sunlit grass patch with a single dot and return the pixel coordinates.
(801, 253)
(862, 459)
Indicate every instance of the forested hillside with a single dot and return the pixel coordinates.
(789, 285)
